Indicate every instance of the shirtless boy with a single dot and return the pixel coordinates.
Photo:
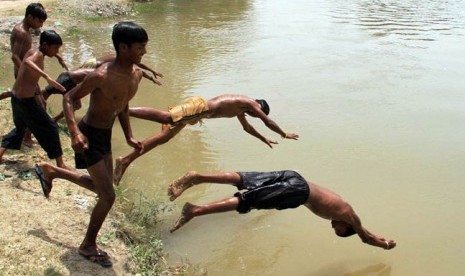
(69, 79)
(27, 112)
(195, 109)
(275, 190)
(21, 42)
(111, 86)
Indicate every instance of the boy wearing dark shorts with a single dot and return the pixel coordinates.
(275, 190)
(110, 87)
(27, 112)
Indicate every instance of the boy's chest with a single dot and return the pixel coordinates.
(119, 90)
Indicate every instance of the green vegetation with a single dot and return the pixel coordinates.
(74, 31)
(95, 18)
(51, 271)
(136, 224)
(145, 7)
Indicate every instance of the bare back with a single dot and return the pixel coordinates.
(325, 203)
(79, 74)
(26, 84)
(111, 95)
(229, 105)
(20, 42)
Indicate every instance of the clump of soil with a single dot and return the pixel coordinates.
(92, 8)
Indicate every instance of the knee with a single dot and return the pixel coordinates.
(77, 105)
(108, 197)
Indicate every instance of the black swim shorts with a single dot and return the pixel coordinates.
(271, 190)
(99, 145)
(63, 79)
(28, 113)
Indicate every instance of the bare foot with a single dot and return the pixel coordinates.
(186, 215)
(120, 168)
(28, 142)
(181, 184)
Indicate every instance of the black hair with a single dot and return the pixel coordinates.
(36, 10)
(349, 232)
(50, 37)
(264, 106)
(128, 32)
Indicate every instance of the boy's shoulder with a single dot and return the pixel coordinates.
(19, 31)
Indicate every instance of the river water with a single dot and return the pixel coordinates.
(374, 89)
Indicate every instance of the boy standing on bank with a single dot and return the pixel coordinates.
(21, 42)
(111, 86)
(29, 113)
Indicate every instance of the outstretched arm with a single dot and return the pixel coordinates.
(31, 63)
(272, 124)
(151, 78)
(252, 131)
(155, 73)
(61, 61)
(365, 235)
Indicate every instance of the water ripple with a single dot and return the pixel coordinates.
(407, 20)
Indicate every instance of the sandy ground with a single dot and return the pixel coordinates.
(13, 5)
(40, 236)
(37, 234)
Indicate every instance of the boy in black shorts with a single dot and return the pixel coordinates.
(27, 112)
(275, 190)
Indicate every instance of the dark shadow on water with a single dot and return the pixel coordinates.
(378, 269)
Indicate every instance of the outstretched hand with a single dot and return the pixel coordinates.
(389, 244)
(154, 79)
(137, 145)
(291, 136)
(55, 84)
(269, 142)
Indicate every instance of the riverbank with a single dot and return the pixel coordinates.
(41, 236)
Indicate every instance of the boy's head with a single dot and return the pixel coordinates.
(264, 106)
(50, 42)
(342, 229)
(128, 33)
(35, 15)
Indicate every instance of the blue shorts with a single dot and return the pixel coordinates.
(271, 190)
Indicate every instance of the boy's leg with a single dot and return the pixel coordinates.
(27, 140)
(101, 174)
(2, 152)
(122, 163)
(151, 114)
(177, 187)
(5, 94)
(50, 172)
(190, 211)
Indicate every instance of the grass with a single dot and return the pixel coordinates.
(137, 227)
(145, 7)
(73, 31)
